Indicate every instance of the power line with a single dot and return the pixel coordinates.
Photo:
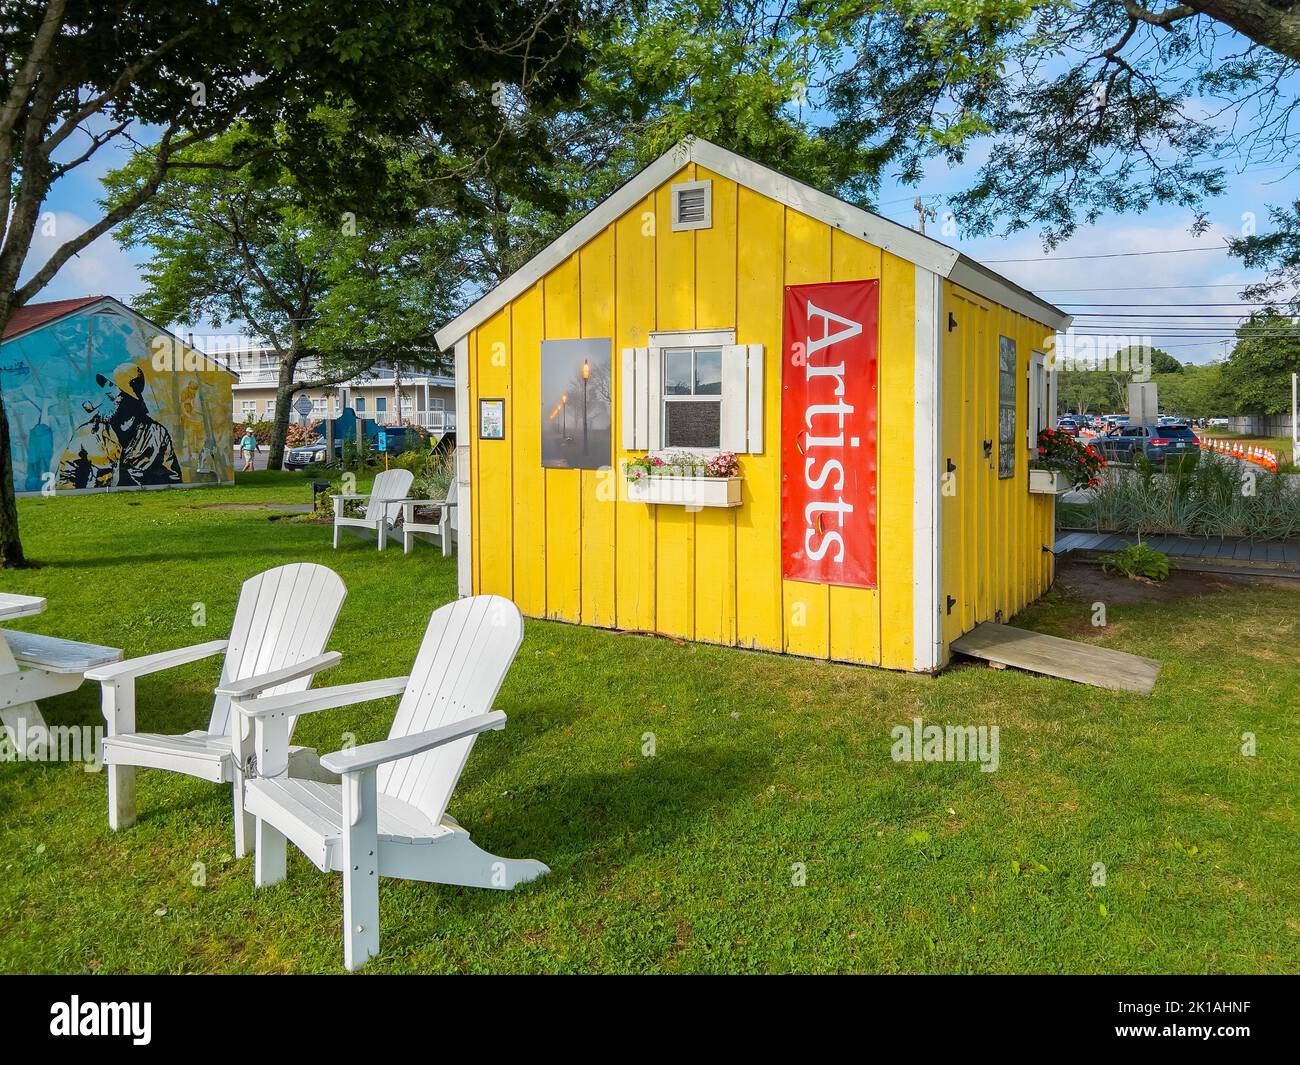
(1220, 337)
(1201, 325)
(1143, 316)
(1148, 288)
(1133, 327)
(1069, 303)
(1107, 255)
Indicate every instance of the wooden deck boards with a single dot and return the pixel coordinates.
(1055, 657)
(1266, 557)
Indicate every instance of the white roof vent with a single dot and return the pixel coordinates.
(692, 205)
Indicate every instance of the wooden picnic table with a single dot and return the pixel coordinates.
(35, 667)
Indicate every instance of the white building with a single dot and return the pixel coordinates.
(424, 399)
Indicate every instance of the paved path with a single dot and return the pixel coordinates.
(259, 459)
(1280, 557)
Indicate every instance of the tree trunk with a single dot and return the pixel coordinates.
(11, 544)
(284, 391)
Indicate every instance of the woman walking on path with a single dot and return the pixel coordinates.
(248, 445)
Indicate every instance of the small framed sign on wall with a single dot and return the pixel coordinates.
(491, 419)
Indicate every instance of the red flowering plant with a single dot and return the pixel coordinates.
(723, 464)
(682, 464)
(1080, 462)
(642, 467)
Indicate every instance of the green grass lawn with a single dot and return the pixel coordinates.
(684, 861)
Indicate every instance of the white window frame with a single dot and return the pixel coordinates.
(688, 186)
(1042, 398)
(248, 406)
(691, 397)
(359, 404)
(660, 345)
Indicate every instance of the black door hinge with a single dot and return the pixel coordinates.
(951, 468)
(952, 322)
(951, 603)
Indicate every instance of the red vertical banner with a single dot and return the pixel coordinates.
(828, 433)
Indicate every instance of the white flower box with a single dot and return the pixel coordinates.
(1048, 482)
(686, 491)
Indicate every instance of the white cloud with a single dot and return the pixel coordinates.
(1122, 277)
(100, 269)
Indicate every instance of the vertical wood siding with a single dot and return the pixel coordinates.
(992, 531)
(566, 544)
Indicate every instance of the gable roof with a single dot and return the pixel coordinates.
(906, 243)
(32, 316)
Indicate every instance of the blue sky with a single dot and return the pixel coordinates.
(1198, 277)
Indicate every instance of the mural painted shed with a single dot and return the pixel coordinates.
(98, 397)
(882, 394)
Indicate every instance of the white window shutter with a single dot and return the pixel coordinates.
(627, 393)
(654, 378)
(1052, 398)
(635, 395)
(754, 401)
(735, 397)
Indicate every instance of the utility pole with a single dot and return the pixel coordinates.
(922, 213)
(1295, 421)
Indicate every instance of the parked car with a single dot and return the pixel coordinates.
(1159, 443)
(314, 452)
(1069, 426)
(310, 454)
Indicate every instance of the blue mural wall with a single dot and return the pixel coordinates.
(104, 399)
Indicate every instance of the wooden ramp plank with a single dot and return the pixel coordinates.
(1040, 653)
(1070, 541)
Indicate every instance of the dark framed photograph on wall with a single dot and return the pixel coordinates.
(491, 419)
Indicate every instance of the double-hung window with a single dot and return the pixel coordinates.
(692, 398)
(692, 391)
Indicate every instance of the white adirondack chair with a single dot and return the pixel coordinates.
(443, 530)
(35, 667)
(277, 644)
(388, 817)
(382, 509)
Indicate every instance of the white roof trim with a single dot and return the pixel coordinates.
(894, 238)
(898, 240)
(979, 279)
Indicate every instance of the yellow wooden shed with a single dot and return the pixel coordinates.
(882, 394)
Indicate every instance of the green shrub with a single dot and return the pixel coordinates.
(355, 457)
(416, 461)
(1138, 560)
(1214, 497)
(435, 480)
